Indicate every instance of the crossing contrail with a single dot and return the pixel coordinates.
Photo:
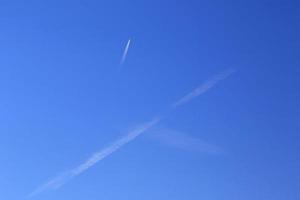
(131, 135)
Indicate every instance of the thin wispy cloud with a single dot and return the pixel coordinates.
(95, 158)
(184, 141)
(203, 88)
(124, 56)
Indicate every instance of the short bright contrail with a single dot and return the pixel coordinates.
(203, 88)
(98, 156)
(125, 53)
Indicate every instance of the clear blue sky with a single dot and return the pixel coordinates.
(63, 97)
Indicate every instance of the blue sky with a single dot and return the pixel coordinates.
(64, 98)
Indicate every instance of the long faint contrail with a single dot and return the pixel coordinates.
(98, 156)
(113, 147)
(203, 88)
(125, 53)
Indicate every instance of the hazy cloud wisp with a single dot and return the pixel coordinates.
(184, 141)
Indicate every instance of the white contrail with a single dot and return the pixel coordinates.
(125, 53)
(203, 88)
(98, 156)
(53, 183)
(113, 147)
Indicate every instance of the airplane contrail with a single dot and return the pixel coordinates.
(125, 53)
(114, 146)
(100, 155)
(94, 159)
(203, 87)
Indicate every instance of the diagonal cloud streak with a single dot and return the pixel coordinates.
(60, 180)
(125, 53)
(203, 88)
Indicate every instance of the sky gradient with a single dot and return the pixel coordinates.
(79, 78)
